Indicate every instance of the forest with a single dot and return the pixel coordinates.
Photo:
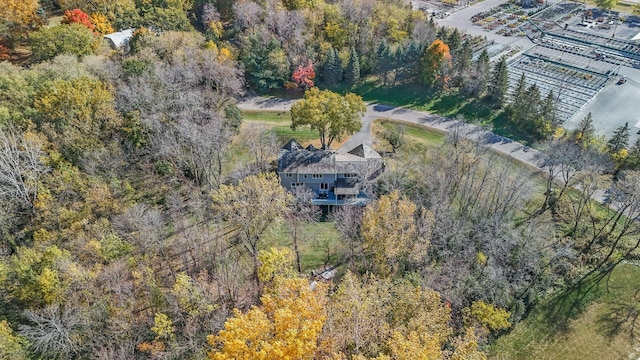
(142, 218)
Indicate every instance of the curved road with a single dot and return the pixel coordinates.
(502, 145)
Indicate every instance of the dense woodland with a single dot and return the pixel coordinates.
(136, 203)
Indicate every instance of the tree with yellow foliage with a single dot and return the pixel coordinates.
(390, 234)
(286, 326)
(12, 346)
(19, 15)
(392, 319)
(101, 24)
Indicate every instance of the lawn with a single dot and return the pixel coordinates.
(416, 137)
(597, 321)
(280, 123)
(320, 243)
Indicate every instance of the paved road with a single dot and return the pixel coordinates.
(502, 145)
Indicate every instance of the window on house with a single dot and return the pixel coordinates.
(304, 176)
(297, 184)
(316, 176)
(350, 175)
(324, 186)
(288, 175)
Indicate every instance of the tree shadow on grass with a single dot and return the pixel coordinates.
(570, 303)
(502, 127)
(622, 316)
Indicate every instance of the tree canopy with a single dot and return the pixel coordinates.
(329, 113)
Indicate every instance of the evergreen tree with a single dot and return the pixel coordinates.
(520, 100)
(464, 57)
(332, 68)
(454, 40)
(462, 66)
(530, 108)
(412, 54)
(620, 139)
(633, 160)
(383, 57)
(352, 72)
(398, 60)
(499, 86)
(546, 120)
(482, 72)
(585, 131)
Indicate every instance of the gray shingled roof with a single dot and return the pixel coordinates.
(295, 159)
(365, 151)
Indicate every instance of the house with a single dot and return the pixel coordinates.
(119, 39)
(335, 177)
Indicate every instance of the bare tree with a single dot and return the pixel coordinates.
(21, 166)
(248, 15)
(53, 331)
(263, 144)
(347, 220)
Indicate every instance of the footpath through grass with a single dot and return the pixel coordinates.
(598, 321)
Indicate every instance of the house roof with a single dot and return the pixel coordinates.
(364, 151)
(120, 38)
(292, 145)
(295, 159)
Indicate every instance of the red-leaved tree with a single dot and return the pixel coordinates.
(4, 52)
(304, 75)
(77, 16)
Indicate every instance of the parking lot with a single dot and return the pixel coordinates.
(578, 53)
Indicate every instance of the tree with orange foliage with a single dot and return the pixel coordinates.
(304, 75)
(77, 16)
(436, 64)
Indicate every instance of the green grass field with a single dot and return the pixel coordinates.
(416, 137)
(601, 323)
(280, 122)
(320, 243)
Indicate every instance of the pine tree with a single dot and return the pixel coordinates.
(546, 120)
(585, 131)
(620, 139)
(519, 101)
(399, 62)
(463, 58)
(332, 68)
(454, 40)
(530, 108)
(352, 72)
(500, 84)
(383, 56)
(412, 54)
(462, 64)
(633, 160)
(482, 72)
